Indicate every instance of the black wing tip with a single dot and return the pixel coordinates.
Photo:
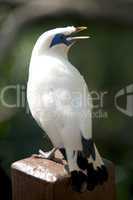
(88, 147)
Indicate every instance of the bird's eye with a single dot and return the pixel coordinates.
(62, 37)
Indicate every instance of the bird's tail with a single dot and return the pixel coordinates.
(91, 164)
(86, 166)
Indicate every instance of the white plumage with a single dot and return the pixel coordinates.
(60, 102)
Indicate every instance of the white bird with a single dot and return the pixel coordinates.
(60, 103)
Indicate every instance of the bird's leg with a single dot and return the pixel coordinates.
(63, 152)
(46, 155)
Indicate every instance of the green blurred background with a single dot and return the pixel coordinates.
(105, 61)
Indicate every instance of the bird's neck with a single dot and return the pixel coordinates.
(60, 51)
(63, 55)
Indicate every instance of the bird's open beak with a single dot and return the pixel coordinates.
(78, 29)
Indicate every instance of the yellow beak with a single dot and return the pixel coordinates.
(78, 29)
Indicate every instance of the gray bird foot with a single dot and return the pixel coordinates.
(46, 155)
(50, 155)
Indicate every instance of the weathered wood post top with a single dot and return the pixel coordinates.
(41, 179)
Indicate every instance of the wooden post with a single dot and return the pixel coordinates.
(5, 185)
(40, 179)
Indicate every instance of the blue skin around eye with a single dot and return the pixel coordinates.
(60, 39)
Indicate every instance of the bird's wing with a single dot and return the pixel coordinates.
(85, 115)
(85, 118)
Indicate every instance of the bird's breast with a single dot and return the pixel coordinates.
(53, 83)
(47, 72)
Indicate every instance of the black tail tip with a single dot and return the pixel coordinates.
(79, 181)
(94, 177)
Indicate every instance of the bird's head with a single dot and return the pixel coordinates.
(58, 41)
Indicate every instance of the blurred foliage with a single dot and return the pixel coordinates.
(106, 62)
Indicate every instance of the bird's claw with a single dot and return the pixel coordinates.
(45, 155)
(50, 155)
